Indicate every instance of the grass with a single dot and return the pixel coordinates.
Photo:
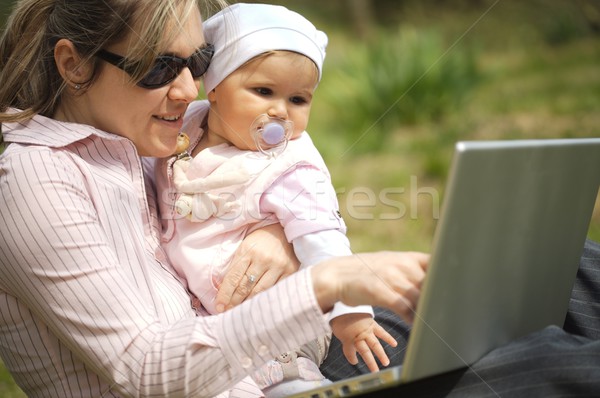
(8, 389)
(547, 93)
(448, 73)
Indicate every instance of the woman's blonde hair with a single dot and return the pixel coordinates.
(29, 78)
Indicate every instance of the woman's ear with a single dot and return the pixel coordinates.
(69, 64)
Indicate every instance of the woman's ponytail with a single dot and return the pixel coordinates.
(25, 57)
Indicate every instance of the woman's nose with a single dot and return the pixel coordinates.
(184, 88)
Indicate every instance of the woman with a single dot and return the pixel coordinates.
(89, 306)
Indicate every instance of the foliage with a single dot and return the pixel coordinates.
(396, 78)
(8, 388)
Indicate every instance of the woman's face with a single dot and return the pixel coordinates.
(151, 118)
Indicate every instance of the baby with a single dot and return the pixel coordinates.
(251, 163)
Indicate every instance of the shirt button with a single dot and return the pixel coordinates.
(263, 350)
(285, 357)
(246, 362)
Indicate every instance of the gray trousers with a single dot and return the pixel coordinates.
(553, 362)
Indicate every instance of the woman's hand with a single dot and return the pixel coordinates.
(263, 258)
(386, 279)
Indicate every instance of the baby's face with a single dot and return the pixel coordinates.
(280, 85)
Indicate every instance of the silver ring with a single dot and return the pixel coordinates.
(251, 278)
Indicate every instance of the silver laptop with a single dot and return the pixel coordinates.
(505, 253)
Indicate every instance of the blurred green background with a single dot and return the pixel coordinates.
(405, 79)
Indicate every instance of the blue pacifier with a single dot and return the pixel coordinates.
(271, 134)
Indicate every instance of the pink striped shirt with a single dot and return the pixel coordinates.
(89, 306)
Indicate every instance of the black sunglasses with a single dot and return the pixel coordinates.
(166, 67)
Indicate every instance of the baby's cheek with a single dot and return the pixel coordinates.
(296, 133)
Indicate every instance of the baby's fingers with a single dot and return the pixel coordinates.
(382, 334)
(366, 354)
(350, 353)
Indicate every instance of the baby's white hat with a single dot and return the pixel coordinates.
(242, 31)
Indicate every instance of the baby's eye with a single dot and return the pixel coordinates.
(298, 100)
(263, 91)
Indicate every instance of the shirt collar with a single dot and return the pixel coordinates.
(41, 130)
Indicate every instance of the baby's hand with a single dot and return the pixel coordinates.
(360, 333)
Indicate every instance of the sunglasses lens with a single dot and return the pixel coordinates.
(199, 62)
(166, 68)
(163, 72)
